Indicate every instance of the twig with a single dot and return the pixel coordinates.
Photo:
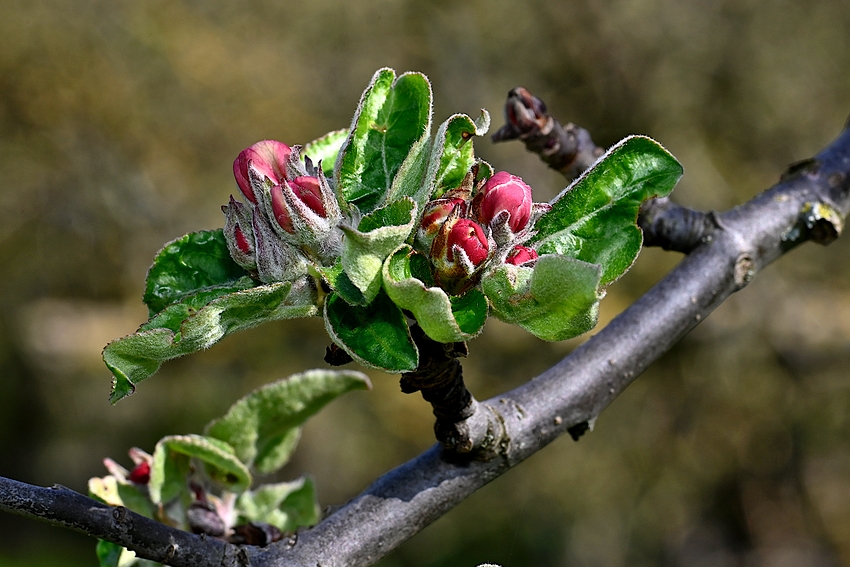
(567, 149)
(570, 150)
(150, 539)
(674, 227)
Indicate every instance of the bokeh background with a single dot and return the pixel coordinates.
(119, 122)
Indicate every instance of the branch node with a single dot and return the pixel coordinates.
(745, 270)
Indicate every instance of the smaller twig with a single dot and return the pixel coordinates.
(150, 539)
(570, 150)
(567, 149)
(674, 227)
(462, 425)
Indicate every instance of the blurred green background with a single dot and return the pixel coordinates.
(119, 122)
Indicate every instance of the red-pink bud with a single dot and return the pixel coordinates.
(504, 193)
(306, 189)
(141, 474)
(241, 241)
(521, 255)
(438, 210)
(460, 248)
(434, 217)
(469, 237)
(268, 159)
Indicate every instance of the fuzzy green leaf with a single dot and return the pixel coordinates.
(287, 505)
(392, 120)
(194, 325)
(263, 426)
(375, 335)
(557, 299)
(594, 219)
(171, 465)
(444, 319)
(192, 263)
(338, 281)
(326, 149)
(378, 234)
(453, 154)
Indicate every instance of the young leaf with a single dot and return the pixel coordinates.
(594, 218)
(188, 327)
(108, 553)
(392, 119)
(442, 318)
(339, 282)
(263, 426)
(326, 149)
(287, 505)
(379, 233)
(452, 154)
(171, 465)
(194, 262)
(555, 300)
(375, 335)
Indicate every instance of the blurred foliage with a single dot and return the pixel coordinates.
(118, 126)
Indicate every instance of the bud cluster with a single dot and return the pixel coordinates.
(291, 215)
(478, 225)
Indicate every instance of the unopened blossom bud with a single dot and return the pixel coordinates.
(307, 199)
(239, 233)
(266, 160)
(460, 248)
(468, 237)
(504, 199)
(141, 473)
(436, 213)
(277, 260)
(520, 255)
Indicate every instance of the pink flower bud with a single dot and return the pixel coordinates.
(459, 250)
(141, 473)
(308, 195)
(267, 159)
(504, 198)
(436, 213)
(239, 233)
(521, 255)
(468, 236)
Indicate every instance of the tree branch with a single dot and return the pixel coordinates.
(150, 539)
(809, 203)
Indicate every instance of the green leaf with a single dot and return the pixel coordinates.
(171, 465)
(375, 335)
(187, 265)
(378, 234)
(392, 120)
(453, 153)
(594, 219)
(287, 505)
(193, 325)
(263, 426)
(108, 553)
(442, 318)
(326, 149)
(555, 300)
(339, 282)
